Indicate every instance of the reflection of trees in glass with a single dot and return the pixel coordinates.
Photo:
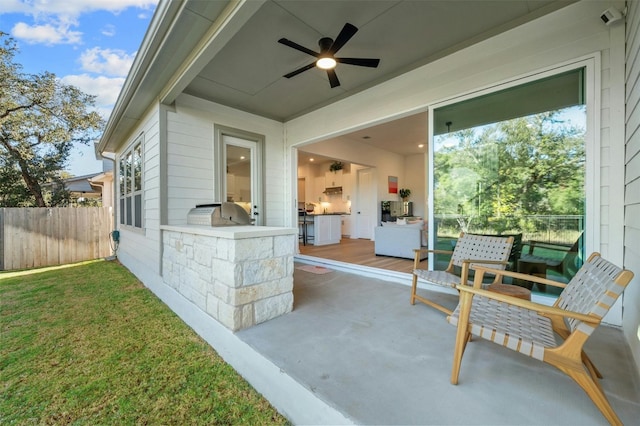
(123, 173)
(129, 178)
(137, 168)
(496, 173)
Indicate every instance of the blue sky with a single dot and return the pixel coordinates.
(90, 44)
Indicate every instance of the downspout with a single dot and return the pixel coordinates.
(111, 156)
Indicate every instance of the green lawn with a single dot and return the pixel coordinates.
(89, 344)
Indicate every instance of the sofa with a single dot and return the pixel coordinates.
(399, 240)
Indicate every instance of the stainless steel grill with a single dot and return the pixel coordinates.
(218, 214)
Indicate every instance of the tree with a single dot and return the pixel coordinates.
(498, 173)
(41, 120)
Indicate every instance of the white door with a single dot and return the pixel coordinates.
(242, 177)
(365, 213)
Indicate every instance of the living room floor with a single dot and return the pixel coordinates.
(359, 252)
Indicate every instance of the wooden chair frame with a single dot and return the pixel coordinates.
(573, 328)
(497, 254)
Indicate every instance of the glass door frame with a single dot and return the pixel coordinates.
(591, 65)
(255, 143)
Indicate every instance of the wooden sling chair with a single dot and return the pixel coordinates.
(552, 334)
(470, 249)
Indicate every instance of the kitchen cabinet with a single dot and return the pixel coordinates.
(327, 229)
(333, 179)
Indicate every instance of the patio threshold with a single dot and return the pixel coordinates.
(362, 270)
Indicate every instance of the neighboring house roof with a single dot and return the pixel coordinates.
(230, 54)
(88, 186)
(81, 183)
(102, 178)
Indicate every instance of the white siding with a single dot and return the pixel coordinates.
(631, 319)
(190, 157)
(139, 250)
(189, 164)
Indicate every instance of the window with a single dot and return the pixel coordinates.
(130, 180)
(512, 162)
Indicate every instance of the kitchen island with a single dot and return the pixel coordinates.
(326, 229)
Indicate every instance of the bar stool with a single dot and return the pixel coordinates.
(303, 225)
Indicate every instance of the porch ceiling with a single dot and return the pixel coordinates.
(247, 73)
(228, 52)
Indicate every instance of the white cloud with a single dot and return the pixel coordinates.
(108, 30)
(107, 61)
(71, 8)
(46, 34)
(105, 89)
(53, 19)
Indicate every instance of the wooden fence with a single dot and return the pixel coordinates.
(34, 237)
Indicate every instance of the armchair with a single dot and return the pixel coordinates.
(470, 249)
(530, 328)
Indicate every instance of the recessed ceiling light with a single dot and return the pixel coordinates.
(421, 145)
(311, 159)
(242, 157)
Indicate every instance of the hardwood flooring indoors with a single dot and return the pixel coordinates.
(359, 252)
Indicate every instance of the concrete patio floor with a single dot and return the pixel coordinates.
(355, 351)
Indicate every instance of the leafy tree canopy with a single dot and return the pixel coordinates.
(532, 165)
(41, 120)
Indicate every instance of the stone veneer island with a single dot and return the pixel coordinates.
(239, 275)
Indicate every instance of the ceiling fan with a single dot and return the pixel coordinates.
(326, 58)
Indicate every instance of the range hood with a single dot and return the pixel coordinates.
(334, 190)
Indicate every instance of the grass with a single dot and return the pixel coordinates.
(89, 344)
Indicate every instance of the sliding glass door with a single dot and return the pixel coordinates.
(512, 162)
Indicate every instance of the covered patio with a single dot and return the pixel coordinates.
(355, 351)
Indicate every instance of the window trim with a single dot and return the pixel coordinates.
(134, 153)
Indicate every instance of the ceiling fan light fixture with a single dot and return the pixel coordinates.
(326, 59)
(326, 63)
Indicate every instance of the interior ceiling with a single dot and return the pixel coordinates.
(247, 73)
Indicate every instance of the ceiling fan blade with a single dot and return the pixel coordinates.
(362, 62)
(345, 35)
(299, 70)
(333, 78)
(296, 46)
